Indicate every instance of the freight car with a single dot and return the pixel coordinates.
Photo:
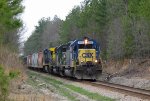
(79, 59)
(40, 60)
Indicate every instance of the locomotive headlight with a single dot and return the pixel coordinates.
(96, 61)
(85, 41)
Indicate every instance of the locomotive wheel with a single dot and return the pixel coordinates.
(63, 71)
(73, 72)
(45, 69)
(51, 69)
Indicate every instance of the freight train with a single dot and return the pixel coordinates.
(79, 59)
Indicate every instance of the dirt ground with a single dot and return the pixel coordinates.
(102, 91)
(39, 91)
(133, 73)
(29, 93)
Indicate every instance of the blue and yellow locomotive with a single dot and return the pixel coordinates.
(86, 59)
(79, 59)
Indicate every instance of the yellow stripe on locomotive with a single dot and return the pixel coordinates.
(53, 53)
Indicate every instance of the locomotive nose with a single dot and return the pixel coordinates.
(88, 68)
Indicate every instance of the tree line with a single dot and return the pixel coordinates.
(10, 23)
(10, 27)
(46, 35)
(120, 26)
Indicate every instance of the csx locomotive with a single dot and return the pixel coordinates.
(79, 59)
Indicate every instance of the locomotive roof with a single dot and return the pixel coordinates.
(63, 46)
(76, 41)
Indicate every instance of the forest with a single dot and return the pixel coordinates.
(10, 26)
(120, 26)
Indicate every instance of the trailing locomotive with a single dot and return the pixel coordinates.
(79, 59)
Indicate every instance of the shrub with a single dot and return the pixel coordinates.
(11, 72)
(4, 84)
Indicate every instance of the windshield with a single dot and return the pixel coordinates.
(83, 46)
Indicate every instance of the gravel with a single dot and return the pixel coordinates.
(133, 82)
(108, 93)
(49, 90)
(43, 92)
(104, 92)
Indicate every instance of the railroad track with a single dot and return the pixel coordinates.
(136, 92)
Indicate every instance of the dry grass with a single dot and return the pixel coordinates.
(31, 97)
(129, 67)
(10, 62)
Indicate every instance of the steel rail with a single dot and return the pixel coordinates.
(136, 92)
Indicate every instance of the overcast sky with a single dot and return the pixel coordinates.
(36, 9)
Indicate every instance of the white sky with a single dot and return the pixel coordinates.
(36, 9)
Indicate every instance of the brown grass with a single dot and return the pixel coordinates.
(10, 62)
(129, 67)
(31, 97)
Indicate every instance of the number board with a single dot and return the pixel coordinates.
(82, 42)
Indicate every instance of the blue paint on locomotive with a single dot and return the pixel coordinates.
(75, 48)
(47, 56)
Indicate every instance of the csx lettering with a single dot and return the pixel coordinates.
(87, 55)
